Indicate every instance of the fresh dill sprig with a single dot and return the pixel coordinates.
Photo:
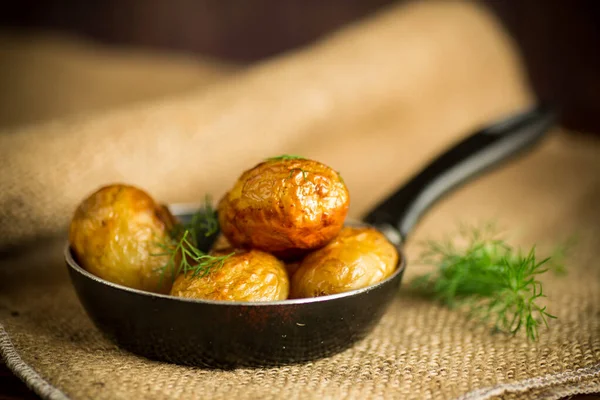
(285, 157)
(204, 221)
(186, 258)
(182, 246)
(498, 283)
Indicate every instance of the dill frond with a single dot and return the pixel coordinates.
(183, 245)
(498, 283)
(285, 157)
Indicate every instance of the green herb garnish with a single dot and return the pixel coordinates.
(285, 157)
(204, 221)
(498, 283)
(186, 258)
(183, 244)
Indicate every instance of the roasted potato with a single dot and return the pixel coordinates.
(220, 243)
(356, 258)
(113, 235)
(284, 206)
(247, 275)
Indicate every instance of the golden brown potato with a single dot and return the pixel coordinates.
(113, 235)
(286, 207)
(245, 276)
(356, 258)
(221, 243)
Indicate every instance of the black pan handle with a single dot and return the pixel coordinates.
(398, 214)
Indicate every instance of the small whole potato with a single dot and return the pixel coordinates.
(113, 235)
(284, 206)
(247, 275)
(220, 243)
(356, 258)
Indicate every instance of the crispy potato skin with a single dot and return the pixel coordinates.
(221, 243)
(356, 258)
(113, 234)
(251, 276)
(285, 207)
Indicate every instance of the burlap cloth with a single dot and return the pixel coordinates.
(45, 75)
(376, 101)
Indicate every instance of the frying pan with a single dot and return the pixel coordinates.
(221, 334)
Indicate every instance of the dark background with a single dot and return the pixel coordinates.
(559, 39)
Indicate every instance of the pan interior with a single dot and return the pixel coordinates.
(184, 212)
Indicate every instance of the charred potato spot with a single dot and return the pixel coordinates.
(356, 258)
(285, 207)
(113, 235)
(245, 276)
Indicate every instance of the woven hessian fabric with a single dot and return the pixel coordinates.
(375, 101)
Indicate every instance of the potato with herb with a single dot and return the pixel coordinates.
(356, 258)
(286, 206)
(113, 235)
(235, 275)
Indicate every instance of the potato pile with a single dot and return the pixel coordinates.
(282, 229)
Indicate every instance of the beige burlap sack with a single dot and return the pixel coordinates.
(375, 101)
(365, 100)
(48, 76)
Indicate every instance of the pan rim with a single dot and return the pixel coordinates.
(401, 265)
(183, 208)
(72, 264)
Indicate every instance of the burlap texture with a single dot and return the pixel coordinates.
(357, 100)
(375, 101)
(48, 76)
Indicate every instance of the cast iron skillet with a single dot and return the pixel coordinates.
(234, 334)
